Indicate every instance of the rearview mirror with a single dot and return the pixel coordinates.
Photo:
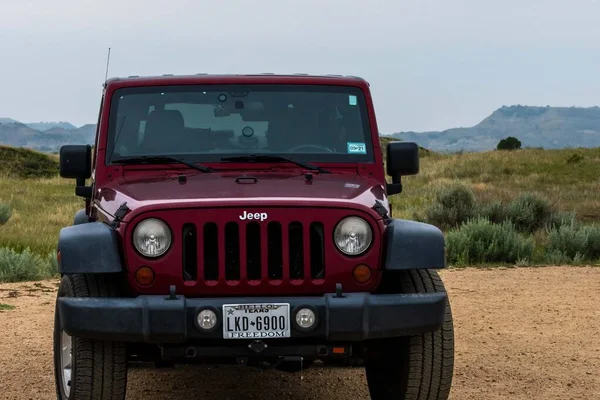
(221, 112)
(76, 163)
(402, 160)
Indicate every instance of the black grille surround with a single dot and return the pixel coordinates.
(287, 250)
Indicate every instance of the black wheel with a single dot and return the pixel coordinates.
(84, 368)
(416, 367)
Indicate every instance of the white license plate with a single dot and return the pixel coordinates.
(256, 321)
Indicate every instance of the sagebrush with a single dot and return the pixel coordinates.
(529, 212)
(453, 205)
(5, 213)
(574, 243)
(480, 241)
(25, 266)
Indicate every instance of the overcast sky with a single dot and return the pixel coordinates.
(431, 64)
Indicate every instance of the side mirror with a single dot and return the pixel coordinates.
(76, 163)
(402, 160)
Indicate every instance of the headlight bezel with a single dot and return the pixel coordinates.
(142, 254)
(367, 248)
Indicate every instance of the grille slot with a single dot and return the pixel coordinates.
(211, 252)
(317, 251)
(275, 246)
(232, 251)
(296, 250)
(253, 253)
(190, 252)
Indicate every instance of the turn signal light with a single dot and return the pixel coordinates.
(144, 276)
(361, 273)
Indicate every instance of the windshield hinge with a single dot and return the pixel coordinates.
(381, 210)
(119, 215)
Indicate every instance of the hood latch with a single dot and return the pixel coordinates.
(119, 215)
(381, 210)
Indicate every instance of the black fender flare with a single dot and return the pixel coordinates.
(90, 248)
(81, 217)
(413, 245)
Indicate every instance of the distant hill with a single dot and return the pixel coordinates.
(547, 127)
(7, 121)
(44, 126)
(48, 137)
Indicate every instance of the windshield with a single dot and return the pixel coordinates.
(209, 122)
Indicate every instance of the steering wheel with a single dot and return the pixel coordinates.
(311, 146)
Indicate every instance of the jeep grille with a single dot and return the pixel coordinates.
(286, 251)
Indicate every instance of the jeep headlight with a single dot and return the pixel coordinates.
(353, 236)
(152, 237)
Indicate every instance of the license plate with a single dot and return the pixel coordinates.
(256, 321)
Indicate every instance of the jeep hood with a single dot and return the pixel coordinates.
(238, 189)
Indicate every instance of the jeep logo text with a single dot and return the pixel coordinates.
(257, 216)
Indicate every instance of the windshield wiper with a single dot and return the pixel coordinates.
(274, 158)
(161, 159)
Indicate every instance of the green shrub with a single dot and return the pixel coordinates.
(556, 220)
(574, 243)
(593, 234)
(453, 206)
(5, 213)
(24, 266)
(574, 158)
(495, 212)
(557, 257)
(52, 265)
(529, 212)
(509, 143)
(6, 307)
(479, 241)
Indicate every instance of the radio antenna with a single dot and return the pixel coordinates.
(107, 64)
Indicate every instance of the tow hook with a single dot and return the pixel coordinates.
(172, 295)
(338, 291)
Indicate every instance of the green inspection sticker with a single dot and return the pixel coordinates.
(357, 148)
(352, 100)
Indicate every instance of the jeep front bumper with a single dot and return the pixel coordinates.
(157, 319)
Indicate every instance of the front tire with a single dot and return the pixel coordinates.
(84, 368)
(417, 367)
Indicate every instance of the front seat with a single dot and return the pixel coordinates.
(164, 133)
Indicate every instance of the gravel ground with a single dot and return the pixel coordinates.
(521, 333)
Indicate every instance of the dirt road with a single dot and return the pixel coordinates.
(527, 333)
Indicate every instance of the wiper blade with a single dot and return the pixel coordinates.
(161, 159)
(274, 158)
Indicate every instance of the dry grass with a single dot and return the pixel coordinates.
(41, 207)
(502, 175)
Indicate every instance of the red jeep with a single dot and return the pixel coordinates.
(245, 219)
